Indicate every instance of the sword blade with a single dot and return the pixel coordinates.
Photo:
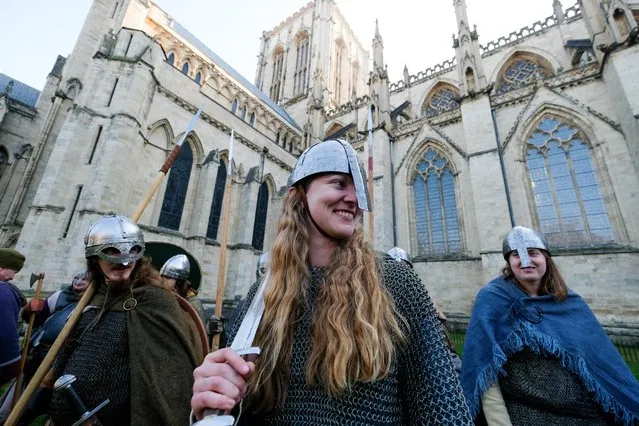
(246, 333)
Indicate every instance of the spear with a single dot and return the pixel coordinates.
(47, 362)
(371, 215)
(221, 270)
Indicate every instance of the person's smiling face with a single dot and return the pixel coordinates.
(332, 202)
(530, 274)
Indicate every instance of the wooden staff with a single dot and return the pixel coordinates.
(25, 347)
(221, 271)
(47, 362)
(371, 215)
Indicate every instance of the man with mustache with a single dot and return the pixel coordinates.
(136, 344)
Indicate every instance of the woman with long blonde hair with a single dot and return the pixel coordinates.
(347, 336)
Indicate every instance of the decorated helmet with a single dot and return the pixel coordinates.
(399, 254)
(262, 264)
(330, 156)
(116, 239)
(177, 267)
(521, 239)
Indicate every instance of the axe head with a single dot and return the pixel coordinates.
(34, 278)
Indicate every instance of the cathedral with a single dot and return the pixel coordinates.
(537, 128)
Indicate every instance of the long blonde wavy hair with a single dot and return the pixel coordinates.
(354, 329)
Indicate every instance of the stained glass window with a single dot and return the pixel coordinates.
(569, 205)
(437, 223)
(216, 204)
(521, 73)
(442, 100)
(176, 188)
(260, 217)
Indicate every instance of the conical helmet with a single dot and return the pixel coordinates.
(521, 239)
(177, 267)
(399, 254)
(332, 156)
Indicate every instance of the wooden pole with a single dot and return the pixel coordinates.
(47, 362)
(25, 347)
(221, 271)
(371, 214)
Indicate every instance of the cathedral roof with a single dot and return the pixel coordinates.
(184, 33)
(19, 92)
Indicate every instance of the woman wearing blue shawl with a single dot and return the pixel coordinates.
(536, 355)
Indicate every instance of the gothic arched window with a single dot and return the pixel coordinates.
(171, 58)
(276, 82)
(436, 220)
(234, 106)
(198, 77)
(260, 217)
(441, 100)
(569, 205)
(521, 72)
(243, 112)
(185, 68)
(252, 119)
(216, 204)
(301, 64)
(176, 187)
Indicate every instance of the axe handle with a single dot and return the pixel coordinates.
(25, 346)
(47, 362)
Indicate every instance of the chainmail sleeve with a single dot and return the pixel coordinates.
(429, 386)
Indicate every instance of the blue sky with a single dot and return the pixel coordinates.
(415, 32)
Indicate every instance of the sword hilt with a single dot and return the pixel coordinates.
(216, 417)
(64, 383)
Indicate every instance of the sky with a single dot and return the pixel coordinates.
(416, 33)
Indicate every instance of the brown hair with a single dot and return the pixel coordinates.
(354, 328)
(551, 283)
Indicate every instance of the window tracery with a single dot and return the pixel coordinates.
(521, 72)
(435, 205)
(570, 208)
(441, 100)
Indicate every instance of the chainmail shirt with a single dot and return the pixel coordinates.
(99, 359)
(539, 391)
(422, 387)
